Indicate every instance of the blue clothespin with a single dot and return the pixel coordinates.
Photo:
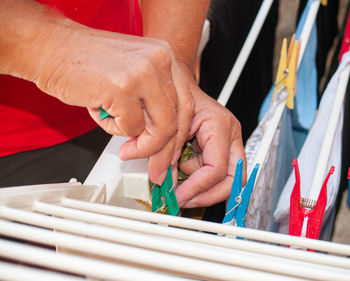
(239, 199)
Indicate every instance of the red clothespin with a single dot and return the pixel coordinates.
(346, 39)
(307, 214)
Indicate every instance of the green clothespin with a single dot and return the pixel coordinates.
(103, 113)
(156, 197)
(165, 192)
(168, 192)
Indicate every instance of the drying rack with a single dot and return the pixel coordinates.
(67, 232)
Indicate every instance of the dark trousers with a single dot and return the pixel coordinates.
(56, 164)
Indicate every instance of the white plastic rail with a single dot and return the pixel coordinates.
(106, 242)
(244, 53)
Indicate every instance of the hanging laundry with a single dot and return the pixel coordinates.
(306, 93)
(262, 146)
(286, 152)
(257, 216)
(326, 230)
(313, 148)
(297, 117)
(345, 47)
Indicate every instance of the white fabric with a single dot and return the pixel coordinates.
(259, 208)
(310, 152)
(253, 143)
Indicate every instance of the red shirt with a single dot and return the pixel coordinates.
(31, 119)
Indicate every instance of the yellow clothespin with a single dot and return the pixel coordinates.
(287, 70)
(290, 49)
(292, 73)
(324, 2)
(282, 69)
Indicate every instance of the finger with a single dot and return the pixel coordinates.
(215, 163)
(216, 194)
(160, 123)
(152, 146)
(174, 171)
(128, 114)
(125, 119)
(159, 163)
(185, 110)
(190, 166)
(221, 191)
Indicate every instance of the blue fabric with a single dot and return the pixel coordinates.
(302, 19)
(306, 93)
(266, 103)
(286, 152)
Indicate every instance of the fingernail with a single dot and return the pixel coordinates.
(176, 157)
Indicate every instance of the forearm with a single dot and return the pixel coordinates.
(179, 23)
(24, 29)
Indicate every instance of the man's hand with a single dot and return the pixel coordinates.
(136, 80)
(217, 145)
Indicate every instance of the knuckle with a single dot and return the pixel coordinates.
(126, 81)
(164, 48)
(108, 129)
(161, 52)
(231, 121)
(237, 124)
(144, 67)
(127, 127)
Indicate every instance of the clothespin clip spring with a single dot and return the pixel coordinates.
(285, 74)
(238, 199)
